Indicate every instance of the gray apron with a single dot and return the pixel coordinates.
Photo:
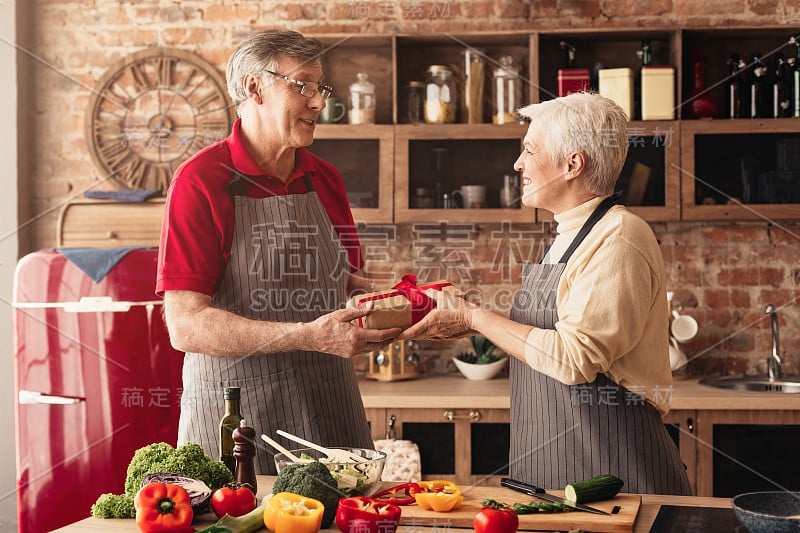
(287, 264)
(561, 433)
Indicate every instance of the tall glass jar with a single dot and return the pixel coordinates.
(361, 105)
(506, 92)
(415, 96)
(472, 92)
(441, 98)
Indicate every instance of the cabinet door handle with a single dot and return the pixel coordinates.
(690, 424)
(474, 416)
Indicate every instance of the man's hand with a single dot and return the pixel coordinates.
(333, 333)
(451, 319)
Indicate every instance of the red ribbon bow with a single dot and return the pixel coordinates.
(421, 303)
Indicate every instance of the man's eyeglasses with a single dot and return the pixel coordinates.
(307, 88)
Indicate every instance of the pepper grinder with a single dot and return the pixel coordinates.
(244, 451)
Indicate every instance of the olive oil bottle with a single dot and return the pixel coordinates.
(229, 422)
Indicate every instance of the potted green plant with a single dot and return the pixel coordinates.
(481, 362)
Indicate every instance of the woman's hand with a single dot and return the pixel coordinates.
(451, 319)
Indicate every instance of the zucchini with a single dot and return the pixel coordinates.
(602, 487)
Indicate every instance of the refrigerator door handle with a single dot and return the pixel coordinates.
(29, 397)
(89, 304)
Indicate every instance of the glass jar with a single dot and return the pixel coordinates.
(424, 198)
(441, 98)
(472, 92)
(415, 96)
(510, 193)
(361, 105)
(506, 92)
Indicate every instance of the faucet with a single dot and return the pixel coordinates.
(774, 360)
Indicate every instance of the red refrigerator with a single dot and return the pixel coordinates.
(95, 378)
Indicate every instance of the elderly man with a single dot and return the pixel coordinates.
(258, 253)
(588, 330)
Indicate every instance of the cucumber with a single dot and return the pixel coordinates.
(602, 487)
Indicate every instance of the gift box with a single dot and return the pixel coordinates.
(402, 305)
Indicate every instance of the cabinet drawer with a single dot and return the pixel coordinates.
(109, 224)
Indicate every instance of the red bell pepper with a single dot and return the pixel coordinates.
(163, 507)
(402, 494)
(360, 514)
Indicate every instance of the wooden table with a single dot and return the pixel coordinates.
(647, 514)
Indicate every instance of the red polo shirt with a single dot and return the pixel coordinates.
(197, 228)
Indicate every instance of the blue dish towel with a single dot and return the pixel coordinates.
(129, 195)
(96, 262)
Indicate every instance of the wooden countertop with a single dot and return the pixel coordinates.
(645, 518)
(456, 392)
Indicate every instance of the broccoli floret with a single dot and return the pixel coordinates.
(113, 506)
(312, 480)
(188, 460)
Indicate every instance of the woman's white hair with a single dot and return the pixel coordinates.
(260, 52)
(588, 123)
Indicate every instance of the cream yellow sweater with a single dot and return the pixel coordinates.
(612, 308)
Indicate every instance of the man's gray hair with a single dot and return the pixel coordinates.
(587, 123)
(260, 52)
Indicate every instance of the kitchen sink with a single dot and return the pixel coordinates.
(788, 384)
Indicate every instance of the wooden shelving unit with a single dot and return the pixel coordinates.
(665, 189)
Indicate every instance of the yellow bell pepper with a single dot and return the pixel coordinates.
(438, 495)
(435, 485)
(286, 512)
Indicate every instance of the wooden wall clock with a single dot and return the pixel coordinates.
(152, 110)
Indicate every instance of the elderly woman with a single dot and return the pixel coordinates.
(258, 254)
(590, 372)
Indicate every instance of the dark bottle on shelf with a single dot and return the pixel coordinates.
(795, 99)
(734, 87)
(780, 95)
(758, 88)
(229, 422)
(567, 54)
(644, 54)
(790, 62)
(244, 452)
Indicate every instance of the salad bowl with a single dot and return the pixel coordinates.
(354, 478)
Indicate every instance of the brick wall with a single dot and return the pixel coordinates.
(723, 274)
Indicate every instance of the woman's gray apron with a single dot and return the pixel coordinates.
(561, 433)
(287, 264)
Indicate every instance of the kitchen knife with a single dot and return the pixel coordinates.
(538, 492)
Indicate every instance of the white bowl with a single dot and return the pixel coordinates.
(478, 372)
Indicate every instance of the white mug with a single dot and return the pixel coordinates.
(683, 327)
(677, 359)
(472, 196)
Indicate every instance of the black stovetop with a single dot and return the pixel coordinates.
(674, 519)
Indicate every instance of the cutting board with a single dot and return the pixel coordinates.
(463, 516)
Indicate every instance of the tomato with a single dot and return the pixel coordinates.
(495, 517)
(234, 499)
